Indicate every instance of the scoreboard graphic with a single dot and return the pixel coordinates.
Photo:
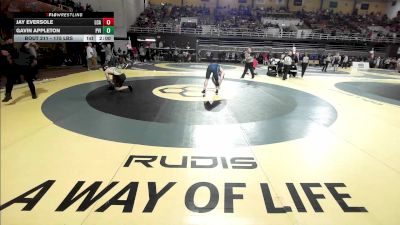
(64, 27)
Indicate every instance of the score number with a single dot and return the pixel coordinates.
(108, 30)
(108, 25)
(108, 21)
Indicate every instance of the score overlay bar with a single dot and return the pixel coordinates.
(64, 15)
(59, 22)
(63, 38)
(64, 27)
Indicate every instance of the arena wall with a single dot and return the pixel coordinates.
(375, 7)
(125, 12)
(307, 5)
(392, 10)
(343, 6)
(223, 3)
(174, 2)
(233, 4)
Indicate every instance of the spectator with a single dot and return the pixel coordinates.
(135, 53)
(398, 65)
(387, 63)
(255, 63)
(108, 53)
(345, 61)
(94, 57)
(89, 56)
(142, 52)
(209, 56)
(103, 54)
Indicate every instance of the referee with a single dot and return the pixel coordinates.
(248, 64)
(287, 62)
(304, 64)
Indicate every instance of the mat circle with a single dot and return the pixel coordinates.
(384, 92)
(284, 114)
(184, 107)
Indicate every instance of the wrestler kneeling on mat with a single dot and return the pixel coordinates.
(218, 76)
(116, 78)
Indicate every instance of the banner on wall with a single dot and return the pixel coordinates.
(242, 1)
(297, 2)
(259, 2)
(333, 5)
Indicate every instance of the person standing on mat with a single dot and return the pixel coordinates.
(218, 75)
(344, 61)
(304, 64)
(255, 64)
(24, 65)
(8, 54)
(327, 60)
(33, 48)
(116, 78)
(248, 64)
(336, 59)
(287, 63)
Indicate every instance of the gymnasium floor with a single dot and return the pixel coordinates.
(323, 149)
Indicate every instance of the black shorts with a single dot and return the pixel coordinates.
(214, 72)
(119, 79)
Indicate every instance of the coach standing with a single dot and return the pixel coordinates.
(327, 60)
(304, 64)
(25, 62)
(8, 55)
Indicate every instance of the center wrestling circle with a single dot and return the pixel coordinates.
(246, 113)
(185, 92)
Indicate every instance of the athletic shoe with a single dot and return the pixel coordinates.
(130, 88)
(34, 96)
(204, 91)
(7, 98)
(216, 91)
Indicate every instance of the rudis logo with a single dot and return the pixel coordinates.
(184, 92)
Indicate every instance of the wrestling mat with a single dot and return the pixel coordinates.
(323, 149)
